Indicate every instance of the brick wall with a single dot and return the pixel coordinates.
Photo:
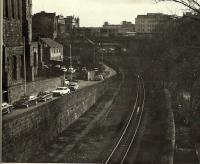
(23, 134)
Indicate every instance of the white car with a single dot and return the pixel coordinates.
(63, 69)
(60, 91)
(66, 82)
(6, 108)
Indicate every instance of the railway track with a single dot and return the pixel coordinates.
(119, 152)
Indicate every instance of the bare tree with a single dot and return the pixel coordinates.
(193, 5)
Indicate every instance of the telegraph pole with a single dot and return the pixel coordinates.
(24, 68)
(1, 63)
(70, 53)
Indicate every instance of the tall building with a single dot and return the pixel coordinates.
(71, 22)
(16, 30)
(45, 25)
(61, 24)
(150, 23)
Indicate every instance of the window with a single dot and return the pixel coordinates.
(4, 59)
(18, 8)
(13, 8)
(35, 59)
(6, 8)
(14, 71)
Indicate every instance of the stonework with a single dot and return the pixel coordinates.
(17, 37)
(41, 125)
(44, 25)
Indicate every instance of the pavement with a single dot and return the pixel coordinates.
(82, 84)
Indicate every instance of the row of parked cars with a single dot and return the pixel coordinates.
(26, 101)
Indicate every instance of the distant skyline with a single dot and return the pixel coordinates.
(93, 13)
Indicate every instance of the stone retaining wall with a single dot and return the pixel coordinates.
(24, 133)
(33, 88)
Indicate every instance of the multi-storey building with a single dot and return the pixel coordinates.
(45, 25)
(16, 45)
(71, 22)
(61, 24)
(151, 23)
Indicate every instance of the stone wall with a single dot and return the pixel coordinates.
(33, 88)
(12, 32)
(23, 134)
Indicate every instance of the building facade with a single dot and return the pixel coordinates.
(151, 23)
(61, 24)
(16, 44)
(71, 22)
(45, 25)
(118, 29)
(52, 51)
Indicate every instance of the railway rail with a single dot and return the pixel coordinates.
(120, 150)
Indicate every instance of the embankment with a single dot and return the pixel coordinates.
(25, 133)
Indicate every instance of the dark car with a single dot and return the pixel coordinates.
(6, 108)
(73, 86)
(26, 101)
(99, 78)
(44, 96)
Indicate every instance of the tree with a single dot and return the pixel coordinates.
(193, 5)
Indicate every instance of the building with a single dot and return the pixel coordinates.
(71, 22)
(45, 25)
(17, 36)
(151, 23)
(52, 51)
(118, 29)
(35, 57)
(61, 24)
(88, 31)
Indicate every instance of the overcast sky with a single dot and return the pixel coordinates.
(94, 13)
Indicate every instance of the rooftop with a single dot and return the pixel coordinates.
(51, 43)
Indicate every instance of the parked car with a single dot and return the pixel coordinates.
(63, 69)
(84, 69)
(26, 101)
(60, 91)
(45, 67)
(99, 78)
(66, 81)
(96, 69)
(73, 86)
(6, 108)
(57, 66)
(44, 96)
(71, 70)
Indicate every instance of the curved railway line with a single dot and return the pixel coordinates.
(120, 150)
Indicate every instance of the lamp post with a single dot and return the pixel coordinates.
(102, 57)
(24, 67)
(70, 58)
(64, 71)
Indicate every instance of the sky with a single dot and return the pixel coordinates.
(93, 13)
